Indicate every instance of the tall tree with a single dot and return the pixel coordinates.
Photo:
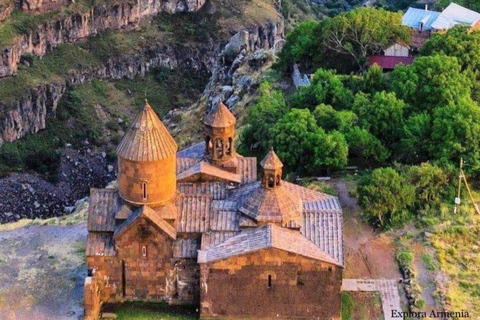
(364, 31)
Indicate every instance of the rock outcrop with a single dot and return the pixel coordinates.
(28, 114)
(69, 28)
(30, 196)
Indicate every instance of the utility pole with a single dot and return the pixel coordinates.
(461, 177)
(457, 198)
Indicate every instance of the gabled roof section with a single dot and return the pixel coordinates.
(100, 244)
(194, 151)
(414, 17)
(194, 213)
(325, 230)
(147, 139)
(218, 190)
(271, 161)
(204, 168)
(460, 15)
(152, 216)
(220, 117)
(102, 209)
(270, 236)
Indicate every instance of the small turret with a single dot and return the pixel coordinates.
(219, 137)
(272, 170)
(147, 161)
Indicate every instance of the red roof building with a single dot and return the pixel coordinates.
(389, 62)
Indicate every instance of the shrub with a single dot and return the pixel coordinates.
(386, 198)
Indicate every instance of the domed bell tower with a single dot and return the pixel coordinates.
(147, 156)
(219, 138)
(272, 170)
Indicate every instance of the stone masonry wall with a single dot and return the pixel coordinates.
(301, 288)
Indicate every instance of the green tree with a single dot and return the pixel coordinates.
(456, 133)
(431, 184)
(416, 137)
(365, 146)
(364, 31)
(431, 81)
(326, 88)
(271, 106)
(331, 152)
(382, 116)
(374, 80)
(325, 117)
(301, 46)
(457, 42)
(295, 137)
(386, 197)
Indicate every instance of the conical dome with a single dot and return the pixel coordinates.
(220, 117)
(271, 161)
(147, 139)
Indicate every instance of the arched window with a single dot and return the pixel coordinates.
(144, 191)
(277, 180)
(271, 181)
(208, 144)
(219, 148)
(229, 146)
(269, 285)
(144, 251)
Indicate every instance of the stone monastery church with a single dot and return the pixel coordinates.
(196, 227)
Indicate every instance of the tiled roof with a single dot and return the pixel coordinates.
(218, 190)
(123, 213)
(247, 168)
(194, 213)
(100, 244)
(152, 216)
(245, 222)
(205, 168)
(329, 204)
(242, 194)
(273, 205)
(225, 205)
(211, 239)
(187, 158)
(186, 248)
(101, 211)
(389, 62)
(307, 195)
(185, 163)
(147, 139)
(325, 229)
(271, 161)
(194, 151)
(221, 220)
(270, 236)
(220, 117)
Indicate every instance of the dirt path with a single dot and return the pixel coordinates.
(368, 254)
(41, 272)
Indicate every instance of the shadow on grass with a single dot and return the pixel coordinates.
(151, 311)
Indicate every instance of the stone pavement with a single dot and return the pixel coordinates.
(388, 290)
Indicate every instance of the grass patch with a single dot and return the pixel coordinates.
(320, 186)
(458, 253)
(347, 306)
(151, 311)
(431, 265)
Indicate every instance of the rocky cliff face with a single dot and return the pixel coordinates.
(28, 114)
(69, 28)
